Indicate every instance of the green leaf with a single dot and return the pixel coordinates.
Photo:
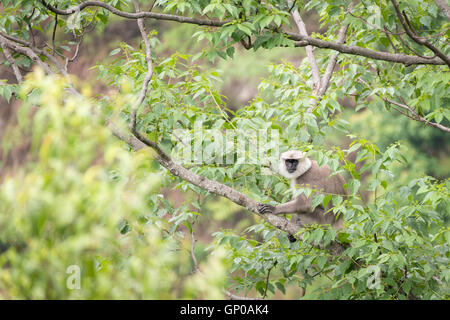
(317, 200)
(230, 52)
(115, 51)
(354, 185)
(245, 29)
(326, 200)
(280, 287)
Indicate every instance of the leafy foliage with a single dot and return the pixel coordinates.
(85, 201)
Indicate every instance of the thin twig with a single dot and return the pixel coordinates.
(385, 30)
(413, 114)
(325, 81)
(267, 281)
(75, 55)
(414, 51)
(148, 76)
(194, 258)
(390, 41)
(54, 32)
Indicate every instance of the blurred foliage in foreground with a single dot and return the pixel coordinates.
(84, 201)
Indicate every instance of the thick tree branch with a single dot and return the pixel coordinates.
(412, 34)
(301, 41)
(136, 15)
(125, 136)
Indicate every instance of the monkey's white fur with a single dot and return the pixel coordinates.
(304, 164)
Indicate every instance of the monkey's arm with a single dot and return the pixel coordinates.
(300, 205)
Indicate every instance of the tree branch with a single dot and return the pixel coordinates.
(54, 33)
(194, 258)
(412, 34)
(405, 44)
(325, 81)
(26, 51)
(136, 15)
(148, 76)
(301, 41)
(309, 50)
(11, 60)
(31, 51)
(414, 115)
(126, 137)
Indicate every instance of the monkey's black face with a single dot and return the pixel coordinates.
(291, 165)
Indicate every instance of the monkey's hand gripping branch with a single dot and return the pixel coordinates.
(264, 208)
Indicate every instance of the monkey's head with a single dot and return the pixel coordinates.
(293, 163)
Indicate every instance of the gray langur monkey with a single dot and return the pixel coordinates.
(300, 170)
